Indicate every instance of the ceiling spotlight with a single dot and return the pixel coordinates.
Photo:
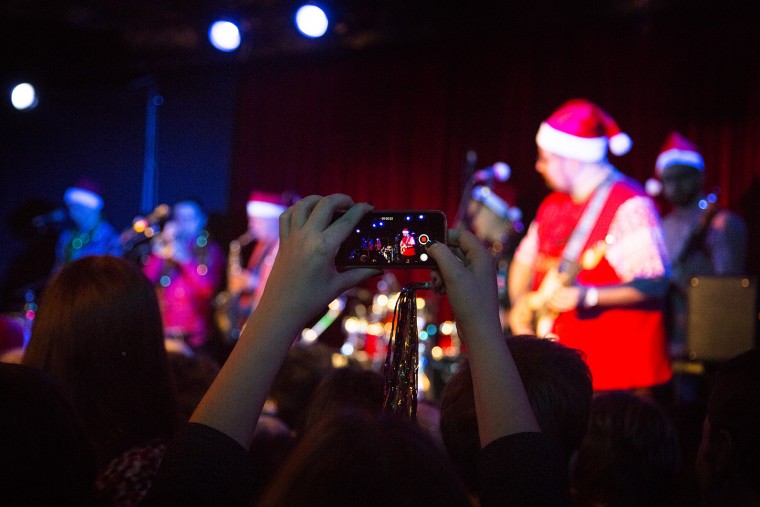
(24, 96)
(311, 21)
(224, 36)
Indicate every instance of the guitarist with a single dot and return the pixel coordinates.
(611, 309)
(701, 238)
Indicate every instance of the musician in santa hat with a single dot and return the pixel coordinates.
(592, 268)
(701, 238)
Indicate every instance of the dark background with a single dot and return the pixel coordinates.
(384, 107)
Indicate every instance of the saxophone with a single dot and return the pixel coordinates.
(229, 314)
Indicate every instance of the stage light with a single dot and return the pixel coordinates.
(311, 21)
(224, 36)
(24, 96)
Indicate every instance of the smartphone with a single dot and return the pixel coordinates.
(393, 239)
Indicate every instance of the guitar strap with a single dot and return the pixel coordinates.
(572, 252)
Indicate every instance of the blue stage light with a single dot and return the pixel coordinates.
(224, 36)
(311, 21)
(24, 96)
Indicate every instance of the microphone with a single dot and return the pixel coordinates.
(54, 217)
(499, 172)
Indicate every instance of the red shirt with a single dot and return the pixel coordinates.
(624, 347)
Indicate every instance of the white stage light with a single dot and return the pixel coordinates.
(224, 36)
(24, 96)
(311, 21)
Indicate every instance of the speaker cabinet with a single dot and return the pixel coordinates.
(722, 317)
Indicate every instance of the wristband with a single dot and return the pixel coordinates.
(591, 298)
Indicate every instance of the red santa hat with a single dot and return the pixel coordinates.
(84, 192)
(677, 150)
(582, 131)
(498, 198)
(265, 205)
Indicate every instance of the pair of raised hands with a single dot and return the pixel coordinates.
(305, 278)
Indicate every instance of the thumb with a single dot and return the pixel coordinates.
(448, 263)
(353, 277)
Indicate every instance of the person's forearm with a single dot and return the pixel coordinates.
(234, 401)
(631, 293)
(501, 404)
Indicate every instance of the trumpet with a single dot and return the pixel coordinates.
(164, 243)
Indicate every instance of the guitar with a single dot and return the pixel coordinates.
(531, 314)
(698, 235)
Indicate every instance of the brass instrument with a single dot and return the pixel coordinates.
(230, 317)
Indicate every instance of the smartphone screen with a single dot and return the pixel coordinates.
(393, 239)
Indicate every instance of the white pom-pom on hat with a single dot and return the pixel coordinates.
(620, 143)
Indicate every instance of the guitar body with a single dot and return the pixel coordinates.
(531, 314)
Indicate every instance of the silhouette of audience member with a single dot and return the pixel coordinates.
(630, 455)
(303, 369)
(45, 456)
(208, 460)
(353, 389)
(728, 461)
(98, 333)
(558, 383)
(91, 233)
(192, 374)
(355, 457)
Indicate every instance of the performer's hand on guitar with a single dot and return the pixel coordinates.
(564, 299)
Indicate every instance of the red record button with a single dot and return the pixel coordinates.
(424, 239)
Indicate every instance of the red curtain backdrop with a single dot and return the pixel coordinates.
(392, 125)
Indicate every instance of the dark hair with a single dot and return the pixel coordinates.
(98, 333)
(734, 406)
(303, 369)
(346, 387)
(630, 455)
(355, 458)
(45, 455)
(558, 384)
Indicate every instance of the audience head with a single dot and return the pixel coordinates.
(193, 374)
(45, 454)
(356, 458)
(98, 333)
(558, 384)
(630, 455)
(303, 369)
(354, 388)
(728, 462)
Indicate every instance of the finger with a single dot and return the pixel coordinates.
(353, 277)
(453, 237)
(285, 220)
(436, 281)
(303, 209)
(323, 212)
(470, 244)
(342, 227)
(447, 262)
